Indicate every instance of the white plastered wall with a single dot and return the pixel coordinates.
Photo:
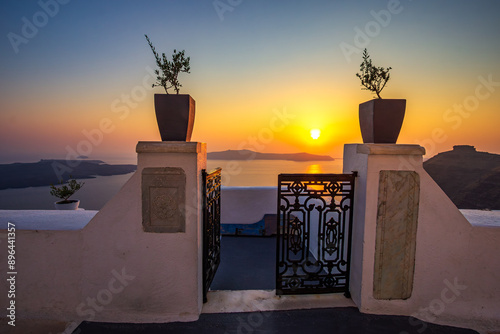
(111, 270)
(457, 267)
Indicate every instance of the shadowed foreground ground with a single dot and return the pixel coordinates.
(318, 321)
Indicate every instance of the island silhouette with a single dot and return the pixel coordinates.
(252, 155)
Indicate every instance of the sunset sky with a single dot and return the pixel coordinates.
(263, 73)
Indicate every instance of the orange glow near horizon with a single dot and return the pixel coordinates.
(50, 130)
(279, 121)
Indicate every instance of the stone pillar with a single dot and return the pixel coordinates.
(386, 207)
(171, 191)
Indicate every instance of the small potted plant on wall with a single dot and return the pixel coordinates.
(64, 192)
(174, 113)
(380, 119)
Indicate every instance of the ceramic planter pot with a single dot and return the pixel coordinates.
(175, 116)
(71, 205)
(380, 120)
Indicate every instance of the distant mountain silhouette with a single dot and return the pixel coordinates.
(46, 172)
(251, 155)
(471, 179)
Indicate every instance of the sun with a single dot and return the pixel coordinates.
(315, 133)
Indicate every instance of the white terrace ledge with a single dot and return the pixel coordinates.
(242, 206)
(482, 218)
(51, 220)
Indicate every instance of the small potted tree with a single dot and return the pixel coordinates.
(174, 113)
(380, 119)
(64, 192)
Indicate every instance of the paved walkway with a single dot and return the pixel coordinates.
(247, 263)
(317, 321)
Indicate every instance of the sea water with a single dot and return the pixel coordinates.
(98, 191)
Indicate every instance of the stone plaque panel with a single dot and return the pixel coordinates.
(397, 216)
(163, 200)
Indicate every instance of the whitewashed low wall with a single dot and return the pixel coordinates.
(111, 270)
(457, 266)
(247, 205)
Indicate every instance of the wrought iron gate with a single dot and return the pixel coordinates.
(314, 233)
(211, 227)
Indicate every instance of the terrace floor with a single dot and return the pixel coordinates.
(329, 320)
(247, 263)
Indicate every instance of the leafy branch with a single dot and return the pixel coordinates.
(373, 78)
(169, 69)
(64, 192)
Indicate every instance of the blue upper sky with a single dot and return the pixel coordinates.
(92, 51)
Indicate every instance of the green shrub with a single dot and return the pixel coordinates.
(373, 78)
(65, 191)
(169, 69)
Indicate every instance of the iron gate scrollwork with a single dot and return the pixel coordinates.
(314, 233)
(211, 227)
